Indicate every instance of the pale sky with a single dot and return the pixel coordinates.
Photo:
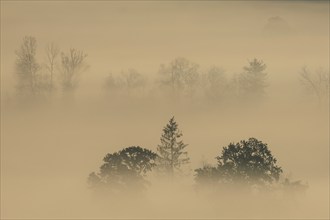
(49, 149)
(142, 35)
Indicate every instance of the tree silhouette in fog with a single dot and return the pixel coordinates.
(133, 79)
(38, 80)
(129, 82)
(215, 83)
(124, 171)
(72, 65)
(171, 150)
(316, 83)
(207, 176)
(252, 82)
(52, 51)
(31, 82)
(180, 75)
(249, 162)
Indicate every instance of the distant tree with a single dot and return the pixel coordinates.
(252, 82)
(317, 83)
(249, 162)
(52, 52)
(215, 83)
(180, 75)
(129, 82)
(133, 78)
(293, 188)
(32, 81)
(134, 81)
(171, 150)
(27, 67)
(124, 171)
(72, 65)
(276, 26)
(112, 84)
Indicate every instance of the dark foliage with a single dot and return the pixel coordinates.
(249, 162)
(124, 171)
(171, 150)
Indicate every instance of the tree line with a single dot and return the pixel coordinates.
(61, 69)
(248, 164)
(182, 78)
(178, 78)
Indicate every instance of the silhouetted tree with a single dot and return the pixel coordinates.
(180, 75)
(32, 81)
(317, 83)
(27, 67)
(124, 171)
(133, 79)
(171, 150)
(112, 84)
(72, 65)
(252, 82)
(215, 83)
(129, 82)
(52, 52)
(207, 176)
(249, 162)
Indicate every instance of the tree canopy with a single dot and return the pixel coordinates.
(250, 162)
(124, 170)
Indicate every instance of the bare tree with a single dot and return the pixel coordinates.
(316, 82)
(52, 52)
(72, 65)
(129, 82)
(133, 80)
(27, 67)
(180, 75)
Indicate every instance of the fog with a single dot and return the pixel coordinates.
(50, 146)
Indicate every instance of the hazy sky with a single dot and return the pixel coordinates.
(48, 151)
(142, 35)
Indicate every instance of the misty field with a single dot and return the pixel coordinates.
(165, 110)
(47, 154)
